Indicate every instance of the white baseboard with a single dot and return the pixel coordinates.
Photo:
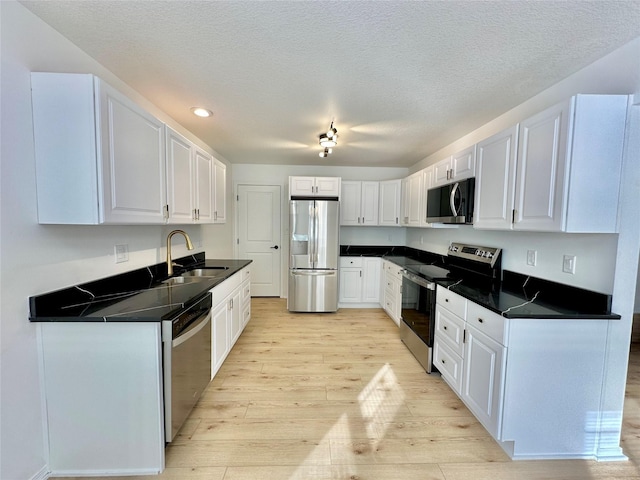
(42, 474)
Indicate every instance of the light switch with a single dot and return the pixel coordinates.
(122, 253)
(569, 264)
(532, 257)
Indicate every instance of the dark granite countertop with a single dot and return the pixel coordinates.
(136, 296)
(517, 295)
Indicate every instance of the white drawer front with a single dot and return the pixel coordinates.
(246, 292)
(221, 291)
(448, 364)
(450, 329)
(355, 262)
(452, 302)
(488, 322)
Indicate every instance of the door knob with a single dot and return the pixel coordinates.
(275, 247)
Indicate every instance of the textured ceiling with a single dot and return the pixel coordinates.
(402, 79)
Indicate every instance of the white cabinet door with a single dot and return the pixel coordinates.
(427, 183)
(441, 172)
(314, 186)
(369, 203)
(220, 192)
(180, 174)
(483, 379)
(463, 164)
(496, 170)
(100, 158)
(541, 170)
(327, 186)
(351, 285)
(371, 280)
(302, 186)
(457, 167)
(235, 316)
(390, 203)
(350, 206)
(219, 336)
(412, 194)
(204, 187)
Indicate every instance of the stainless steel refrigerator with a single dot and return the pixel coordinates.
(314, 249)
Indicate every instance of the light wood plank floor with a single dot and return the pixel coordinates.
(338, 396)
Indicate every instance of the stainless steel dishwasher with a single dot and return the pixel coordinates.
(186, 362)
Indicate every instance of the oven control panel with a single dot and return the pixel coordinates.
(471, 252)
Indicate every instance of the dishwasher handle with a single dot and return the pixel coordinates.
(193, 330)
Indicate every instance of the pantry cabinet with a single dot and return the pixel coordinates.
(314, 186)
(100, 158)
(359, 203)
(565, 174)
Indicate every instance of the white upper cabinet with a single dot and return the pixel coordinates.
(100, 158)
(190, 188)
(456, 167)
(495, 178)
(390, 203)
(412, 195)
(314, 186)
(220, 191)
(427, 183)
(359, 203)
(204, 187)
(567, 169)
(180, 175)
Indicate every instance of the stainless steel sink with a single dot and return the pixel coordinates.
(206, 272)
(179, 280)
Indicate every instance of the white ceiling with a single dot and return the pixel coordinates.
(402, 79)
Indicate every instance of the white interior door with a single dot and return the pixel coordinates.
(259, 236)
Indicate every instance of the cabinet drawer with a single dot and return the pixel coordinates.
(450, 329)
(221, 291)
(452, 302)
(246, 273)
(390, 286)
(392, 268)
(486, 321)
(449, 364)
(246, 293)
(355, 262)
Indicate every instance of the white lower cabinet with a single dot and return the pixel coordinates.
(230, 314)
(392, 290)
(534, 384)
(359, 281)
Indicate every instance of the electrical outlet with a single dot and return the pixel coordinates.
(569, 264)
(122, 253)
(422, 240)
(532, 257)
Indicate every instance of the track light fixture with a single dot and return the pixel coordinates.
(328, 140)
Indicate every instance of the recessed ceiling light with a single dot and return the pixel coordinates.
(201, 112)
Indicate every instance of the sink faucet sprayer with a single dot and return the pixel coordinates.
(189, 247)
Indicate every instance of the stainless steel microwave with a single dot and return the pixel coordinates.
(452, 203)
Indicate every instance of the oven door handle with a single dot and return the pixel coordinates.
(193, 330)
(418, 280)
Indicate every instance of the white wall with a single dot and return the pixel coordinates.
(593, 271)
(39, 258)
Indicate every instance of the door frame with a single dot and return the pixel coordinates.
(284, 249)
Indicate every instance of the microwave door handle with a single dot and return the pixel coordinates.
(452, 199)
